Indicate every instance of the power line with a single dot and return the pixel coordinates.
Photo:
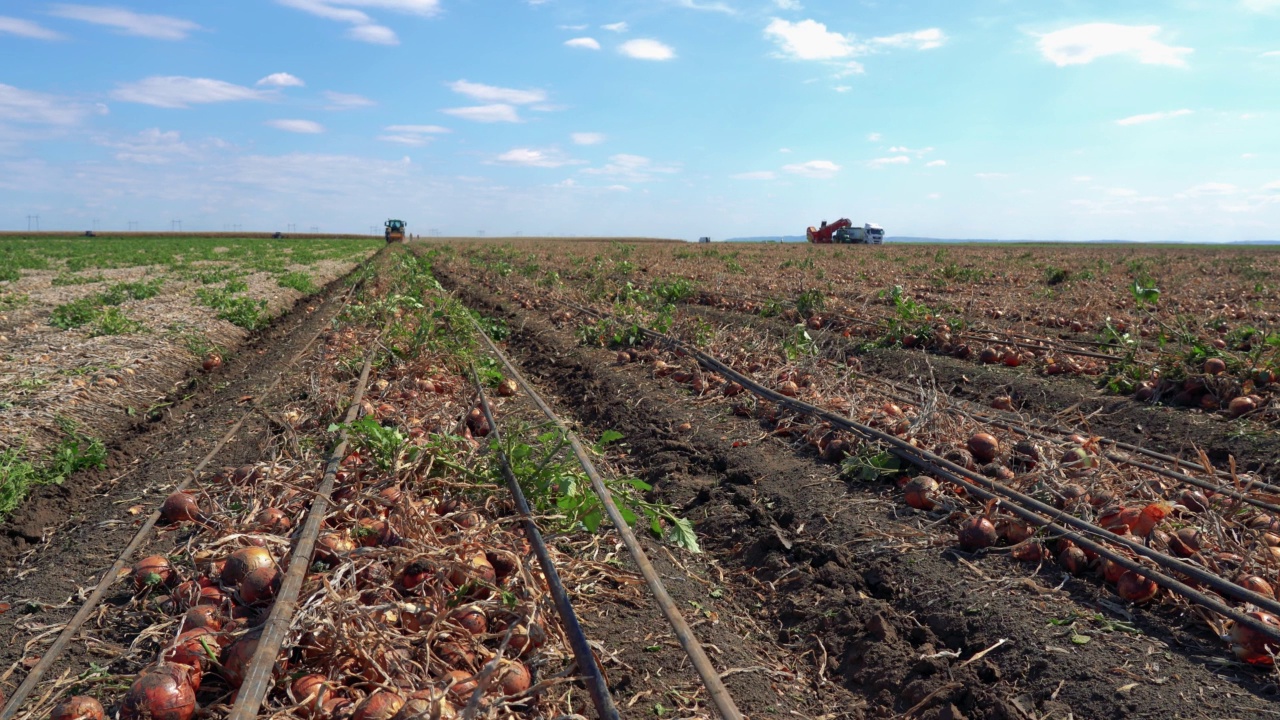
(36, 218)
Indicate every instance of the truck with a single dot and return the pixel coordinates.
(844, 232)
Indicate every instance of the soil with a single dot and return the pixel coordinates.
(870, 594)
(55, 547)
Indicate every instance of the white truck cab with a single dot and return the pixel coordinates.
(874, 234)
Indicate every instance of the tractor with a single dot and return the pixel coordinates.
(395, 231)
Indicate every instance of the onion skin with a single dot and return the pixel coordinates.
(180, 507)
(1214, 366)
(427, 705)
(244, 561)
(206, 617)
(507, 388)
(984, 447)
(78, 707)
(259, 586)
(920, 493)
(314, 687)
(381, 705)
(514, 677)
(192, 650)
(463, 684)
(1028, 552)
(1073, 559)
(1256, 584)
(151, 571)
(977, 533)
(471, 619)
(1251, 646)
(1136, 589)
(163, 693)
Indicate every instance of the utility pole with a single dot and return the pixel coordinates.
(133, 225)
(480, 233)
(175, 226)
(95, 224)
(36, 219)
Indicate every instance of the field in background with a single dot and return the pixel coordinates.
(94, 332)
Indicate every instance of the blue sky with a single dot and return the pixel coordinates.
(1044, 119)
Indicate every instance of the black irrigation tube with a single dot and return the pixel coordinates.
(109, 577)
(697, 656)
(258, 678)
(586, 661)
(1019, 504)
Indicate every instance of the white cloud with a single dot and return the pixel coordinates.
(1211, 189)
(346, 101)
(305, 127)
(990, 175)
(27, 29)
(485, 113)
(1082, 44)
(927, 39)
(1262, 6)
(633, 168)
(374, 34)
(706, 6)
(842, 88)
(585, 43)
(813, 169)
(492, 94)
(1152, 117)
(808, 40)
(646, 49)
(175, 91)
(574, 28)
(363, 27)
(532, 157)
(918, 152)
(1248, 156)
(787, 4)
(874, 137)
(433, 129)
(281, 79)
(886, 161)
(1271, 53)
(587, 138)
(784, 150)
(756, 175)
(1083, 178)
(618, 27)
(158, 27)
(936, 163)
(25, 106)
(150, 147)
(934, 196)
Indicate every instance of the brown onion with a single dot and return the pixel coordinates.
(1252, 646)
(1215, 366)
(260, 585)
(78, 707)
(1241, 406)
(984, 447)
(206, 617)
(1135, 588)
(330, 547)
(463, 684)
(1111, 570)
(1073, 559)
(244, 561)
(427, 704)
(180, 507)
(161, 693)
(237, 656)
(312, 691)
(1028, 552)
(513, 677)
(273, 520)
(471, 619)
(921, 493)
(193, 649)
(152, 571)
(381, 705)
(1253, 583)
(976, 533)
(1013, 531)
(527, 637)
(507, 387)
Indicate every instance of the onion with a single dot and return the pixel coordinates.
(180, 507)
(161, 693)
(478, 566)
(273, 520)
(152, 571)
(921, 493)
(513, 677)
(984, 447)
(1026, 453)
(244, 561)
(193, 649)
(1256, 584)
(1077, 458)
(1028, 552)
(471, 619)
(1135, 588)
(1004, 402)
(211, 362)
(1073, 559)
(312, 691)
(237, 656)
(330, 547)
(462, 684)
(527, 637)
(1214, 366)
(477, 422)
(1112, 570)
(78, 707)
(788, 388)
(1252, 646)
(989, 356)
(202, 617)
(1013, 531)
(1194, 501)
(1241, 406)
(1185, 542)
(977, 532)
(427, 705)
(1150, 516)
(259, 585)
(381, 705)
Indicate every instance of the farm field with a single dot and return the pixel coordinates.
(903, 481)
(96, 333)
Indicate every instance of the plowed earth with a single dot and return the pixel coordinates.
(864, 589)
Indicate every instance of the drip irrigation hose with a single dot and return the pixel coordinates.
(1016, 502)
(702, 664)
(109, 577)
(258, 678)
(577, 638)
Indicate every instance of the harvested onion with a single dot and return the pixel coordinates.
(161, 693)
(976, 533)
(78, 707)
